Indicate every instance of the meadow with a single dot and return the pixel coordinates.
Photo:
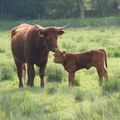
(85, 101)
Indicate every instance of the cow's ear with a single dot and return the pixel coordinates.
(64, 53)
(41, 34)
(60, 32)
(46, 33)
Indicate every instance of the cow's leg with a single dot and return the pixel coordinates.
(31, 75)
(19, 73)
(71, 79)
(24, 72)
(41, 73)
(100, 72)
(42, 70)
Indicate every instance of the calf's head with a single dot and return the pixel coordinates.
(59, 56)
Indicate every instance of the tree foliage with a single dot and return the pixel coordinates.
(52, 9)
(103, 6)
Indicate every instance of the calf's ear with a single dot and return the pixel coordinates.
(64, 53)
(60, 32)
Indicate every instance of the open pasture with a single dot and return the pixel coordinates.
(57, 101)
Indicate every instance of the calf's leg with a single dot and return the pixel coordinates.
(101, 75)
(71, 79)
(105, 74)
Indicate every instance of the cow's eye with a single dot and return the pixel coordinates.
(46, 34)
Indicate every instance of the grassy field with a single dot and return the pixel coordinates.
(57, 101)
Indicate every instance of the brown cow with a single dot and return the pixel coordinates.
(31, 44)
(75, 62)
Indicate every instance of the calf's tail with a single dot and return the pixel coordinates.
(105, 56)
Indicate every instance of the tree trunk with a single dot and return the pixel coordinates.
(82, 9)
(1, 12)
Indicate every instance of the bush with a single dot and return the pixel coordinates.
(54, 73)
(52, 89)
(111, 86)
(114, 51)
(2, 51)
(77, 81)
(79, 95)
(6, 72)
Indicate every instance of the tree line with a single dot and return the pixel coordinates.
(54, 9)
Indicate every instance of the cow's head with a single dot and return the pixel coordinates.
(51, 35)
(59, 56)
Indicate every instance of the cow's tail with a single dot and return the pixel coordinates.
(105, 56)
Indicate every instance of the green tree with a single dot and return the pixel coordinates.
(103, 6)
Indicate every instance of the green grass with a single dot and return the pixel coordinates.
(74, 22)
(54, 73)
(57, 101)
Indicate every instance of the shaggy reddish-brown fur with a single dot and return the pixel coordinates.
(75, 62)
(31, 44)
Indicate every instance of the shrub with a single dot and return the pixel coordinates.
(77, 81)
(54, 73)
(52, 89)
(114, 51)
(79, 95)
(111, 86)
(6, 72)
(2, 51)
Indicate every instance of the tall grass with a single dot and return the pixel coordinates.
(87, 101)
(14, 105)
(6, 72)
(54, 73)
(113, 85)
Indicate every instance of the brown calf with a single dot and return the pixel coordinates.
(75, 62)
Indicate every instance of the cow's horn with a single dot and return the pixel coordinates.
(64, 26)
(40, 27)
(58, 27)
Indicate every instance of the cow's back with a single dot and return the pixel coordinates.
(22, 28)
(18, 37)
